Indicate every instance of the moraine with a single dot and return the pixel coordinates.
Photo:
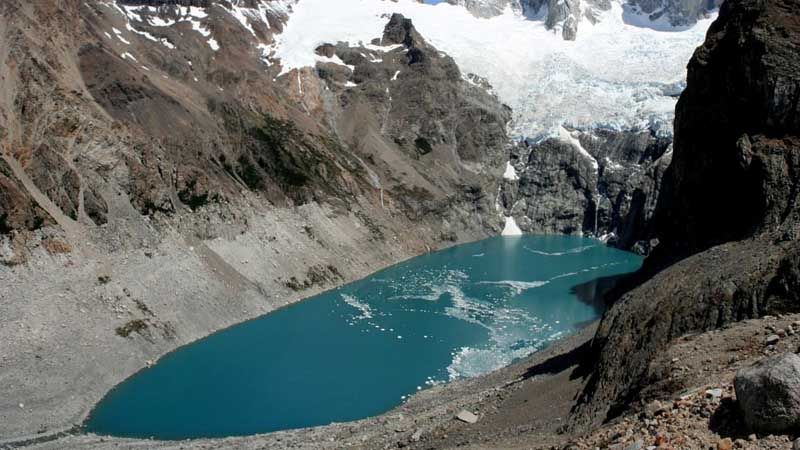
(361, 349)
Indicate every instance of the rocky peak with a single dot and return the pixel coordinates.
(564, 16)
(487, 8)
(400, 30)
(184, 3)
(676, 12)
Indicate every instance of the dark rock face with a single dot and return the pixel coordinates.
(769, 394)
(482, 8)
(564, 16)
(736, 140)
(18, 211)
(560, 190)
(678, 12)
(729, 200)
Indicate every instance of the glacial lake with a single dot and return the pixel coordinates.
(361, 349)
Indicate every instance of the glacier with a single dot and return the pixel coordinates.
(618, 73)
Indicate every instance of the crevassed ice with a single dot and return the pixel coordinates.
(615, 74)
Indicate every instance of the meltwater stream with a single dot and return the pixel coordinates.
(361, 349)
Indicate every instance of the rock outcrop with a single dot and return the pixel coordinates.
(488, 8)
(603, 183)
(728, 206)
(677, 13)
(769, 394)
(564, 16)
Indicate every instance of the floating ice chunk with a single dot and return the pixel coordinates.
(517, 286)
(580, 249)
(366, 311)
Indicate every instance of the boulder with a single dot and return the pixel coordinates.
(769, 393)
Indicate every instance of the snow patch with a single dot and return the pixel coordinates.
(565, 136)
(511, 228)
(510, 173)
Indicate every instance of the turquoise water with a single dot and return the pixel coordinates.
(359, 350)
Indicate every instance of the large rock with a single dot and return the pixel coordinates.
(769, 394)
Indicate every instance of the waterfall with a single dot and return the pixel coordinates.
(596, 212)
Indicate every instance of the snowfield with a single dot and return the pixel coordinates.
(615, 74)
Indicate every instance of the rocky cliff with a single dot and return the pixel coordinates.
(728, 210)
(564, 16)
(602, 183)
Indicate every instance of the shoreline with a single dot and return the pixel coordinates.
(76, 430)
(64, 371)
(437, 404)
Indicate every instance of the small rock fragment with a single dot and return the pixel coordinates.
(634, 446)
(725, 444)
(772, 339)
(714, 393)
(653, 409)
(466, 416)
